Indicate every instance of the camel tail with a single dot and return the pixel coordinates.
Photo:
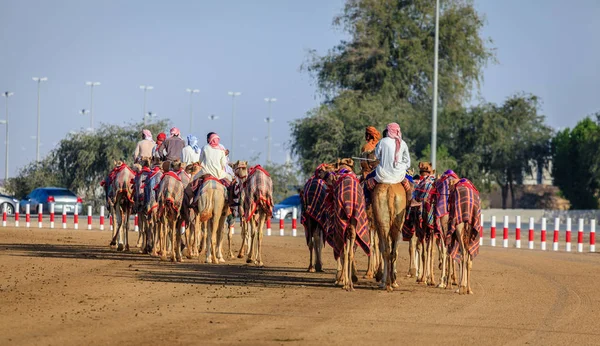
(207, 212)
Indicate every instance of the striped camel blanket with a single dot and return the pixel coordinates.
(346, 203)
(150, 194)
(464, 207)
(313, 203)
(421, 218)
(258, 192)
(170, 192)
(185, 177)
(138, 188)
(122, 182)
(209, 183)
(442, 188)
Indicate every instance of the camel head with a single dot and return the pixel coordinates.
(241, 169)
(176, 165)
(166, 166)
(327, 172)
(137, 167)
(192, 169)
(425, 168)
(346, 163)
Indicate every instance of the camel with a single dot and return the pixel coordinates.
(389, 212)
(170, 197)
(314, 218)
(152, 222)
(188, 211)
(464, 229)
(443, 185)
(258, 206)
(347, 221)
(212, 210)
(240, 168)
(122, 190)
(145, 234)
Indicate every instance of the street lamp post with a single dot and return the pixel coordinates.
(145, 88)
(6, 94)
(92, 85)
(269, 120)
(192, 92)
(84, 112)
(233, 94)
(37, 150)
(435, 87)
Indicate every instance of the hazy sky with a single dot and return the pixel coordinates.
(547, 47)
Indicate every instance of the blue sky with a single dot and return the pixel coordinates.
(548, 48)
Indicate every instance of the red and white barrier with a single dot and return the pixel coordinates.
(76, 218)
(17, 217)
(102, 218)
(40, 214)
(580, 236)
(89, 217)
(136, 225)
(269, 226)
(232, 229)
(51, 215)
(111, 221)
(294, 217)
(493, 232)
(64, 217)
(556, 230)
(568, 235)
(4, 216)
(481, 235)
(543, 236)
(593, 236)
(28, 215)
(531, 233)
(518, 233)
(182, 229)
(505, 232)
(281, 218)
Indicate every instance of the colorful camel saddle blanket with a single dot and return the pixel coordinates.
(465, 207)
(259, 192)
(411, 223)
(346, 203)
(209, 183)
(425, 193)
(184, 176)
(122, 182)
(170, 192)
(151, 195)
(313, 202)
(442, 188)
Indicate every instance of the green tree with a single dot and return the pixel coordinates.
(576, 163)
(285, 180)
(384, 73)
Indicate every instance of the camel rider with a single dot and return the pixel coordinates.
(191, 152)
(160, 139)
(372, 136)
(212, 158)
(173, 146)
(144, 147)
(394, 161)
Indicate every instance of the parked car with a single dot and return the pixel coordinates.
(10, 203)
(287, 206)
(61, 197)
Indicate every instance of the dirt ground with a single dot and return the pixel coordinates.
(68, 288)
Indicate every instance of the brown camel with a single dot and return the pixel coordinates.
(443, 186)
(258, 206)
(314, 217)
(145, 233)
(151, 207)
(464, 229)
(188, 212)
(389, 212)
(347, 221)
(123, 203)
(170, 197)
(212, 210)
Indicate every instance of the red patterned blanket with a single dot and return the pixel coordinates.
(464, 208)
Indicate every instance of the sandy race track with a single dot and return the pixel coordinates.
(67, 287)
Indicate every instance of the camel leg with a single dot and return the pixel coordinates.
(394, 258)
(126, 234)
(346, 266)
(469, 267)
(243, 232)
(229, 239)
(458, 234)
(318, 240)
(351, 264)
(141, 241)
(411, 257)
(259, 231)
(311, 241)
(214, 248)
(371, 259)
(252, 241)
(119, 226)
(339, 271)
(382, 268)
(163, 238)
(177, 241)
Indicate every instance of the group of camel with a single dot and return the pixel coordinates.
(334, 192)
(170, 197)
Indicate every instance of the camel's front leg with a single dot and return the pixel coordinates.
(394, 258)
(351, 264)
(259, 231)
(412, 270)
(339, 270)
(371, 259)
(126, 234)
(252, 244)
(311, 242)
(243, 231)
(318, 245)
(229, 241)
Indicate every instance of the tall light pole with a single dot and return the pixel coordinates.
(92, 85)
(39, 82)
(84, 112)
(6, 94)
(192, 92)
(233, 94)
(145, 88)
(269, 120)
(435, 87)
